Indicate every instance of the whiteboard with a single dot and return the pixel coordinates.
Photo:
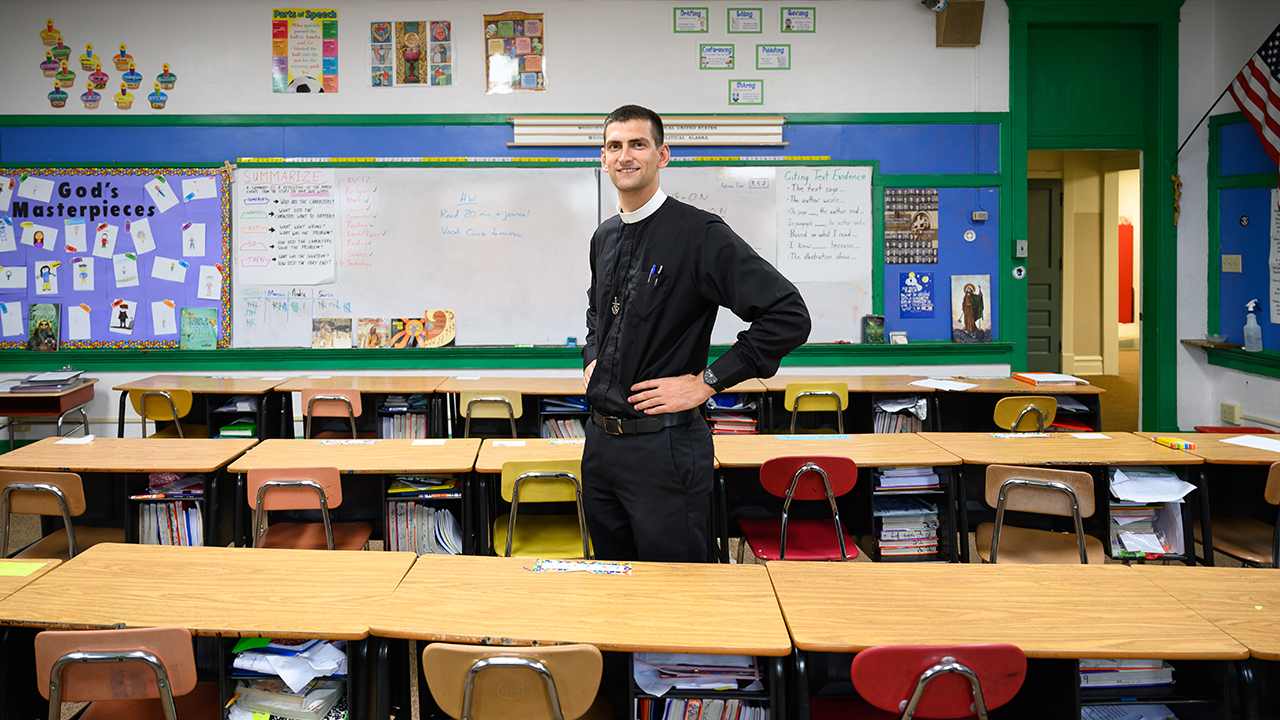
(813, 223)
(504, 248)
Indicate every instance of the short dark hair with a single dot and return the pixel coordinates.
(627, 113)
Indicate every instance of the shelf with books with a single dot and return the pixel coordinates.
(316, 685)
(912, 516)
(726, 687)
(563, 416)
(422, 515)
(1140, 528)
(733, 414)
(175, 509)
(404, 416)
(1188, 688)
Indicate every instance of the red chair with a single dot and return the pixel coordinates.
(941, 682)
(334, 403)
(317, 488)
(804, 478)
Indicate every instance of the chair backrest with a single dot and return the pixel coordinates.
(1025, 413)
(939, 681)
(165, 405)
(500, 683)
(808, 396)
(1037, 498)
(555, 480)
(299, 497)
(125, 664)
(491, 403)
(1272, 493)
(806, 473)
(32, 492)
(331, 402)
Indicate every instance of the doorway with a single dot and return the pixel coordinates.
(1044, 275)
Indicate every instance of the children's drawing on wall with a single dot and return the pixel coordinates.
(329, 333)
(47, 277)
(44, 323)
(123, 313)
(513, 52)
(372, 333)
(970, 303)
(915, 294)
(82, 269)
(910, 226)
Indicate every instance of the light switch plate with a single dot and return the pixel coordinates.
(1020, 248)
(1231, 264)
(1231, 413)
(979, 215)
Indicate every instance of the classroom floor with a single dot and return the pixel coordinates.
(1120, 401)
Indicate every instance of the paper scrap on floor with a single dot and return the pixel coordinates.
(1148, 484)
(1255, 441)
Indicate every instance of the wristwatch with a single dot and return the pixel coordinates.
(710, 378)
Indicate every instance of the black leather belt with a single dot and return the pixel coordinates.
(648, 424)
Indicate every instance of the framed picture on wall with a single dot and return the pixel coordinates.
(971, 304)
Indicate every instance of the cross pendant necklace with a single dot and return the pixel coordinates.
(616, 305)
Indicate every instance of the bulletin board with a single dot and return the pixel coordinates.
(121, 250)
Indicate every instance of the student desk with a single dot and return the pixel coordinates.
(360, 457)
(211, 393)
(1222, 461)
(495, 452)
(869, 450)
(218, 591)
(16, 573)
(57, 404)
(376, 386)
(660, 607)
(865, 386)
(128, 461)
(973, 409)
(1050, 611)
(1060, 449)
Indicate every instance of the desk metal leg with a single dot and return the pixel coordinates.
(123, 394)
(84, 423)
(800, 681)
(720, 513)
(1248, 686)
(962, 500)
(1206, 525)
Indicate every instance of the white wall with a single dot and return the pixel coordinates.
(1215, 39)
(867, 56)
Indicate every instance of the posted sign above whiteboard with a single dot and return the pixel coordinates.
(286, 226)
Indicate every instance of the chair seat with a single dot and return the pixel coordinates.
(204, 702)
(54, 545)
(543, 536)
(310, 536)
(1026, 546)
(806, 539)
(1242, 538)
(190, 431)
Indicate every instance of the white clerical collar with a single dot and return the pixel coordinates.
(645, 210)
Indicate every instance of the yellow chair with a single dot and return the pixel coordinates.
(125, 674)
(1018, 412)
(542, 535)
(817, 397)
(30, 492)
(485, 682)
(1065, 493)
(166, 406)
(331, 402)
(490, 404)
(1250, 541)
(302, 489)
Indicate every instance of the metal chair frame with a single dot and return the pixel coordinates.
(351, 415)
(259, 515)
(515, 506)
(818, 393)
(1047, 485)
(831, 498)
(468, 688)
(35, 487)
(143, 656)
(1039, 418)
(173, 411)
(948, 665)
(511, 412)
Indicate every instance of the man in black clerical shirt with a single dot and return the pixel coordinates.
(660, 270)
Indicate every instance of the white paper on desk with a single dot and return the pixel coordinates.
(435, 441)
(942, 384)
(34, 188)
(1255, 441)
(201, 188)
(1148, 484)
(508, 443)
(813, 437)
(319, 377)
(1090, 436)
(78, 326)
(6, 384)
(466, 377)
(74, 440)
(11, 317)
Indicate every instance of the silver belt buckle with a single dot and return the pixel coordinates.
(613, 425)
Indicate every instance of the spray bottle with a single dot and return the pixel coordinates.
(1252, 332)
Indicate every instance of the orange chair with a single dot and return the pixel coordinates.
(1250, 541)
(170, 406)
(483, 682)
(804, 478)
(1065, 493)
(331, 402)
(928, 681)
(31, 492)
(129, 674)
(302, 489)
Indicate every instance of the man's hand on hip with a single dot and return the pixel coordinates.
(670, 394)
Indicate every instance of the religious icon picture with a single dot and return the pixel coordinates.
(971, 308)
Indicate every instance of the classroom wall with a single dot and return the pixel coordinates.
(867, 56)
(1216, 39)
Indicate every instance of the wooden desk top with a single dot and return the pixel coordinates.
(386, 384)
(1118, 448)
(1210, 447)
(201, 384)
(362, 456)
(248, 592)
(1009, 386)
(8, 395)
(1240, 601)
(856, 383)
(106, 454)
(1050, 611)
(870, 449)
(548, 385)
(660, 607)
(493, 455)
(15, 574)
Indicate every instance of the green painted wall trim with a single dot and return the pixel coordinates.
(290, 359)
(1265, 363)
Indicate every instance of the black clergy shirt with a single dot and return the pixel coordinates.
(668, 271)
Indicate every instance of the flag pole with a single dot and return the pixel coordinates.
(1206, 115)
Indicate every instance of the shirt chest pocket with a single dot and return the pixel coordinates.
(652, 292)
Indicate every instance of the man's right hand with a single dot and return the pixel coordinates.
(586, 375)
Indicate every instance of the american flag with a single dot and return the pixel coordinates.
(1257, 92)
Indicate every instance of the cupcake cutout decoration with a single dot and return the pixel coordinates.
(166, 78)
(61, 52)
(90, 97)
(124, 99)
(123, 59)
(50, 66)
(97, 77)
(133, 78)
(88, 58)
(65, 77)
(58, 98)
(157, 98)
(49, 35)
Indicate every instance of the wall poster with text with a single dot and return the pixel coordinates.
(304, 51)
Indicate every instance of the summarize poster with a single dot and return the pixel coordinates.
(514, 52)
(117, 251)
(286, 226)
(304, 51)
